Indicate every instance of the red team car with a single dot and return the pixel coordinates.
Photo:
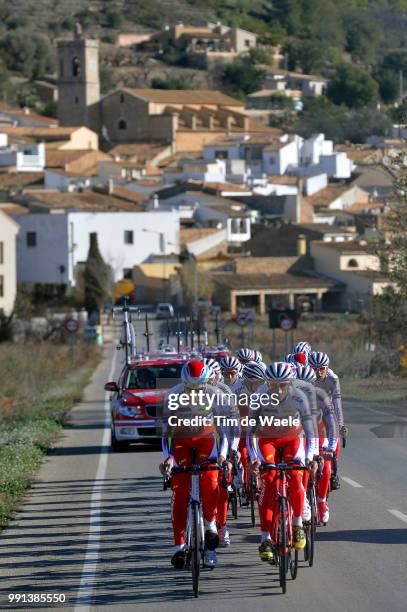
(137, 400)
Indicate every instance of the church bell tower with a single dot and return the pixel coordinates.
(78, 81)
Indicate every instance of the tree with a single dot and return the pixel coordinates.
(363, 35)
(388, 85)
(158, 83)
(393, 252)
(114, 18)
(399, 114)
(195, 282)
(241, 77)
(96, 277)
(27, 52)
(360, 124)
(353, 87)
(258, 55)
(305, 55)
(321, 115)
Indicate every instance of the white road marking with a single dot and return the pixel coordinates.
(388, 414)
(398, 514)
(351, 482)
(86, 587)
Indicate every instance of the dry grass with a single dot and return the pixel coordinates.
(29, 371)
(40, 383)
(341, 336)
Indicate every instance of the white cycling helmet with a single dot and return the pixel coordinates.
(279, 371)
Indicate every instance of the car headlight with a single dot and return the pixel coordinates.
(129, 411)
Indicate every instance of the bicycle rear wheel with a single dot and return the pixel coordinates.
(252, 504)
(195, 550)
(312, 529)
(282, 546)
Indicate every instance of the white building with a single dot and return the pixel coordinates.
(8, 272)
(198, 170)
(22, 157)
(50, 246)
(350, 263)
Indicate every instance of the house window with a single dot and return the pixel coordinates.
(76, 100)
(61, 68)
(121, 98)
(122, 124)
(76, 67)
(222, 155)
(31, 238)
(352, 263)
(128, 237)
(1, 252)
(1, 286)
(127, 273)
(235, 226)
(248, 42)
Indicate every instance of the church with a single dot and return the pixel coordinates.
(184, 119)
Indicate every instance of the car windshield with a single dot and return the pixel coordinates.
(154, 376)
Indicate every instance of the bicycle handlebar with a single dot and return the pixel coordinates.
(281, 466)
(195, 469)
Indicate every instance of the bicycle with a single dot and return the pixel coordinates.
(195, 533)
(311, 525)
(282, 524)
(234, 489)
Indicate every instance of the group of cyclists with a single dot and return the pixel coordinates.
(303, 396)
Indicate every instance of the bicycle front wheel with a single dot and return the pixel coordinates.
(312, 528)
(195, 550)
(282, 546)
(252, 505)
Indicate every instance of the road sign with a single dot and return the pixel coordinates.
(286, 324)
(276, 316)
(242, 320)
(71, 326)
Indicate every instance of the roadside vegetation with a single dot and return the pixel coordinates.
(368, 374)
(40, 384)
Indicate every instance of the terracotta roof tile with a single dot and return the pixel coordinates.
(231, 280)
(184, 96)
(88, 200)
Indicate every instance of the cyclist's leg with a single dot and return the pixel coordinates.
(207, 449)
(222, 509)
(294, 451)
(267, 499)
(267, 495)
(323, 486)
(180, 485)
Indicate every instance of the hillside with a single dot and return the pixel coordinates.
(359, 45)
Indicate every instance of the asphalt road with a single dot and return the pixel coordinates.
(96, 528)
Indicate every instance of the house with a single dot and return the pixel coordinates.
(8, 270)
(203, 44)
(211, 211)
(29, 157)
(352, 264)
(51, 247)
(61, 138)
(46, 89)
(325, 205)
(261, 282)
(26, 117)
(185, 119)
(197, 169)
(205, 242)
(285, 239)
(182, 119)
(281, 80)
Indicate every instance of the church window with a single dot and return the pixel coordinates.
(122, 124)
(76, 66)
